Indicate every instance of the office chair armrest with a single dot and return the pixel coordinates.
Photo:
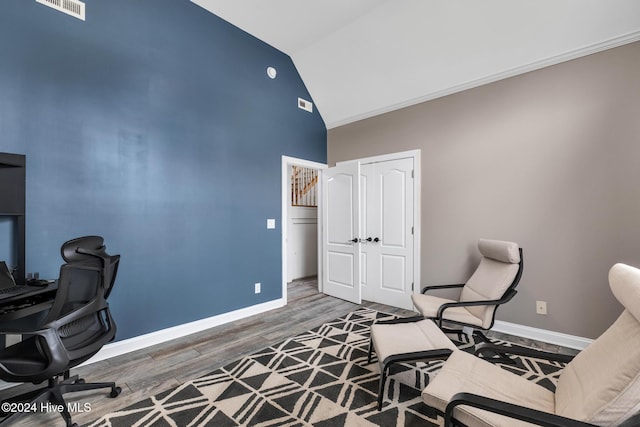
(545, 419)
(90, 309)
(489, 348)
(434, 287)
(86, 310)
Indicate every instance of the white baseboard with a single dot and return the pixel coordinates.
(137, 343)
(551, 337)
(143, 341)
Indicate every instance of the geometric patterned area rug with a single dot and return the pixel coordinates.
(318, 378)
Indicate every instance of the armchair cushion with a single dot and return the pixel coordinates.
(602, 384)
(463, 371)
(429, 305)
(497, 271)
(408, 337)
(625, 285)
(499, 250)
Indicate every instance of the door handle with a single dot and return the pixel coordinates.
(369, 239)
(376, 240)
(355, 240)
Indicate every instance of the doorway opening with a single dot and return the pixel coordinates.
(302, 224)
(300, 217)
(390, 245)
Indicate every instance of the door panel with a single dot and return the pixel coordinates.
(394, 273)
(340, 268)
(341, 210)
(388, 216)
(394, 207)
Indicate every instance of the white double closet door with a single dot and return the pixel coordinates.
(368, 231)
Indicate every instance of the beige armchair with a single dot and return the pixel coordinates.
(493, 283)
(600, 386)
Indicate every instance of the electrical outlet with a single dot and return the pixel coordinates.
(541, 307)
(257, 288)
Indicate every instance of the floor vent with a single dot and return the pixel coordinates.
(70, 7)
(305, 105)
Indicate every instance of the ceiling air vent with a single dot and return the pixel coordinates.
(70, 7)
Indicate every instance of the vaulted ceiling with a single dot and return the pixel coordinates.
(360, 58)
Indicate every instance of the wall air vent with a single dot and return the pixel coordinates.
(70, 7)
(305, 105)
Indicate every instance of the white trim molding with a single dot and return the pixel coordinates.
(543, 335)
(119, 348)
(515, 71)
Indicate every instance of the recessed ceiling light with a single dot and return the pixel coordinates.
(271, 72)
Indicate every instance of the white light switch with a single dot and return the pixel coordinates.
(271, 223)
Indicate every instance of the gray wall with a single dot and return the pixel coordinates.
(549, 159)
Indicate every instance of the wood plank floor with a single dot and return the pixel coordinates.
(147, 372)
(155, 369)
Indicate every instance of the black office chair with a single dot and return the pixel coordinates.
(78, 249)
(76, 327)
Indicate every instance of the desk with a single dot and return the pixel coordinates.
(36, 300)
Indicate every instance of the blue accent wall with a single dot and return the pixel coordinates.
(154, 124)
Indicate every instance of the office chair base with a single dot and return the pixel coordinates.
(54, 394)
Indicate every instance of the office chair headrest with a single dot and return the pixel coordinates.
(499, 250)
(625, 285)
(80, 249)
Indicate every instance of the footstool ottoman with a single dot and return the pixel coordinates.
(406, 340)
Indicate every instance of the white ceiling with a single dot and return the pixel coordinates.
(360, 58)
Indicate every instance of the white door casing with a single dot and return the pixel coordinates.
(340, 200)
